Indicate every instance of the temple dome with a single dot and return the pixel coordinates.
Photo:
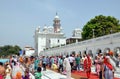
(56, 17)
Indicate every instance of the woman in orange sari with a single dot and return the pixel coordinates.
(108, 67)
(21, 59)
(2, 71)
(87, 65)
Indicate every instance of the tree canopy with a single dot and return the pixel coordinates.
(9, 50)
(99, 26)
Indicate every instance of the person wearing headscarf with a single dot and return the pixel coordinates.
(108, 67)
(27, 74)
(8, 72)
(67, 67)
(87, 65)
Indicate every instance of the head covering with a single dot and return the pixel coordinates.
(110, 53)
(8, 66)
(18, 75)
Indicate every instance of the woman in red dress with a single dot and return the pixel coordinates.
(87, 65)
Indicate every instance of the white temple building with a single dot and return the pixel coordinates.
(49, 37)
(76, 36)
(29, 51)
(77, 33)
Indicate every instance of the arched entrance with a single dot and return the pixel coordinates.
(99, 51)
(106, 50)
(73, 53)
(84, 52)
(90, 53)
(116, 52)
(80, 53)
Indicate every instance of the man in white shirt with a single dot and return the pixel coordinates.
(71, 60)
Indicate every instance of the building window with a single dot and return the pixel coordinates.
(58, 41)
(49, 41)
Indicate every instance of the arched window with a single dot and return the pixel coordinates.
(84, 52)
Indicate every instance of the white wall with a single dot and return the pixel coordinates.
(54, 41)
(109, 41)
(29, 52)
(41, 44)
(62, 41)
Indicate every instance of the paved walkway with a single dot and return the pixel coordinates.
(49, 74)
(117, 72)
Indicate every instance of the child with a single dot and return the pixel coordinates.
(38, 74)
(27, 74)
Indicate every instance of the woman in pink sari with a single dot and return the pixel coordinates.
(97, 65)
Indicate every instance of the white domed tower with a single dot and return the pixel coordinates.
(56, 24)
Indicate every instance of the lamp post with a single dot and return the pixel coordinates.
(93, 33)
(93, 40)
(111, 36)
(111, 31)
(103, 33)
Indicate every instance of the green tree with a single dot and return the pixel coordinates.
(9, 50)
(99, 26)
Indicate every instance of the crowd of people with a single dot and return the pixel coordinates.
(104, 63)
(21, 67)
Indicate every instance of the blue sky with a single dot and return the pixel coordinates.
(19, 18)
